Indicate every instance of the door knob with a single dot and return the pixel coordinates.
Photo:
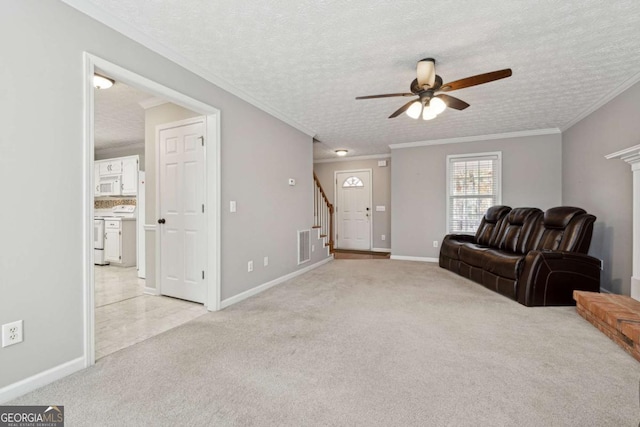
(161, 221)
(367, 208)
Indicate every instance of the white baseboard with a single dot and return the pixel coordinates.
(605, 291)
(261, 288)
(26, 385)
(150, 291)
(413, 258)
(380, 249)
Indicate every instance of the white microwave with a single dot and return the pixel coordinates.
(109, 186)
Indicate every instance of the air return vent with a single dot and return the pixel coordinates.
(304, 246)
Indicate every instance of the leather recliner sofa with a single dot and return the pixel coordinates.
(536, 258)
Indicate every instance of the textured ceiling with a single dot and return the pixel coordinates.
(309, 60)
(119, 118)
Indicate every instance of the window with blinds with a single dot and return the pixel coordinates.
(473, 186)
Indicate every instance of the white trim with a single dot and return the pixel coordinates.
(150, 291)
(605, 291)
(629, 155)
(348, 159)
(381, 250)
(471, 156)
(150, 227)
(212, 194)
(336, 212)
(41, 379)
(152, 102)
(413, 258)
(520, 134)
(136, 35)
(261, 288)
(602, 101)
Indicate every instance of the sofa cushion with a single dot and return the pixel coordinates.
(472, 254)
(503, 264)
(450, 248)
(516, 232)
(560, 217)
(490, 222)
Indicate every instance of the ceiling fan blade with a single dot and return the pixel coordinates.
(455, 103)
(426, 71)
(402, 109)
(476, 80)
(388, 95)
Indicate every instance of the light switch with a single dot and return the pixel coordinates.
(232, 206)
(382, 163)
(381, 208)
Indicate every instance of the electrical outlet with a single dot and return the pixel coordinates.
(383, 237)
(11, 333)
(266, 261)
(435, 243)
(313, 248)
(250, 266)
(232, 206)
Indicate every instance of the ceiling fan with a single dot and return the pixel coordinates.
(428, 85)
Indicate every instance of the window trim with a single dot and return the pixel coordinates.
(471, 156)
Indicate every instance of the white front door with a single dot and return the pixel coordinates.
(181, 210)
(353, 197)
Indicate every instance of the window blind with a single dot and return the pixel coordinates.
(474, 185)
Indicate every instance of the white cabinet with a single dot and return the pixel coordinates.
(124, 169)
(110, 167)
(129, 176)
(120, 242)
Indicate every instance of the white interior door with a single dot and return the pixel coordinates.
(181, 206)
(353, 196)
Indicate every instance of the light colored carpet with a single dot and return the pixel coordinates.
(363, 343)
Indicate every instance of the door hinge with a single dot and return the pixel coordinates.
(203, 208)
(202, 274)
(202, 140)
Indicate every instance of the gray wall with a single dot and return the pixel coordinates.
(531, 176)
(381, 183)
(41, 268)
(604, 187)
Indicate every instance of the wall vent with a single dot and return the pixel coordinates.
(304, 246)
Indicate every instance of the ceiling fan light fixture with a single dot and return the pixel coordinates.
(102, 82)
(415, 110)
(437, 105)
(341, 153)
(428, 114)
(426, 71)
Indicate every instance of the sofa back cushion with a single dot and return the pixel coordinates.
(490, 224)
(517, 230)
(565, 228)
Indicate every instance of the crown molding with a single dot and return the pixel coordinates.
(152, 102)
(537, 132)
(602, 101)
(348, 159)
(137, 36)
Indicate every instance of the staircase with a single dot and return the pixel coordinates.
(322, 214)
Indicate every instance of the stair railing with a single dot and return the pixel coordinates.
(323, 213)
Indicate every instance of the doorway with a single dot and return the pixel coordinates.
(211, 192)
(354, 216)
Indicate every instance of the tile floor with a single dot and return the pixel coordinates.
(126, 316)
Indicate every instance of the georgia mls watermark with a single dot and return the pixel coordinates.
(31, 416)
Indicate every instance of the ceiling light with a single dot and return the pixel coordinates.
(102, 82)
(415, 110)
(427, 114)
(341, 152)
(437, 105)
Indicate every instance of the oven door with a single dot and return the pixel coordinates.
(98, 234)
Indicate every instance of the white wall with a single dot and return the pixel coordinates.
(381, 186)
(604, 187)
(41, 269)
(531, 177)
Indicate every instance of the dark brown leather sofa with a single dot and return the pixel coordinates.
(536, 258)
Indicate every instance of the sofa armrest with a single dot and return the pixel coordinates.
(550, 277)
